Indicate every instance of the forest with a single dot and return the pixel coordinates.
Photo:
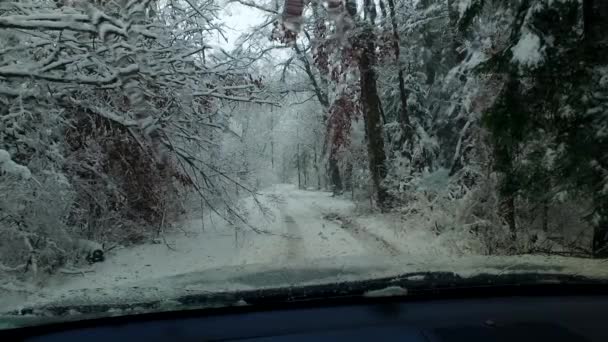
(483, 120)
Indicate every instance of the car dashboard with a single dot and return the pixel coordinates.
(504, 318)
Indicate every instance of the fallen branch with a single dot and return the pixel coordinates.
(81, 271)
(17, 268)
(238, 99)
(10, 287)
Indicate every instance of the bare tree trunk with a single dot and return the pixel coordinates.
(403, 117)
(334, 174)
(320, 32)
(600, 236)
(272, 154)
(348, 176)
(509, 215)
(595, 13)
(371, 113)
(319, 93)
(545, 217)
(202, 215)
(299, 166)
(382, 9)
(317, 171)
(455, 32)
(272, 139)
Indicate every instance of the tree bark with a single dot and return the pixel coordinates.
(595, 13)
(588, 16)
(272, 138)
(320, 94)
(383, 9)
(348, 176)
(334, 174)
(403, 117)
(545, 216)
(600, 236)
(316, 166)
(320, 87)
(299, 167)
(595, 16)
(371, 113)
(510, 216)
(456, 33)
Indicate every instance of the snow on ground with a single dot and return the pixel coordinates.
(307, 236)
(321, 238)
(408, 240)
(293, 231)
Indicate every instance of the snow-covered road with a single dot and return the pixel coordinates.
(309, 237)
(299, 227)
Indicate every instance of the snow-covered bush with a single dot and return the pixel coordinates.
(32, 222)
(108, 118)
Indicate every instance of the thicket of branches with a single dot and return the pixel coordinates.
(477, 119)
(110, 115)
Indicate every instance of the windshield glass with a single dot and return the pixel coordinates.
(151, 149)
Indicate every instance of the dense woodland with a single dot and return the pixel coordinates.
(484, 117)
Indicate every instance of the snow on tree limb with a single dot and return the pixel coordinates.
(8, 166)
(256, 6)
(89, 80)
(91, 90)
(22, 22)
(239, 99)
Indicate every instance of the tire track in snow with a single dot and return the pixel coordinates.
(369, 239)
(295, 249)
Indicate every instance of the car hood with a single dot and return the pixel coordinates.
(244, 284)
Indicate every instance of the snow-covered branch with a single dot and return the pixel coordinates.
(256, 6)
(11, 71)
(18, 268)
(25, 22)
(250, 99)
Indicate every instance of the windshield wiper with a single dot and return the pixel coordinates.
(417, 284)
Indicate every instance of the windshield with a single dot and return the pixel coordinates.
(151, 149)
